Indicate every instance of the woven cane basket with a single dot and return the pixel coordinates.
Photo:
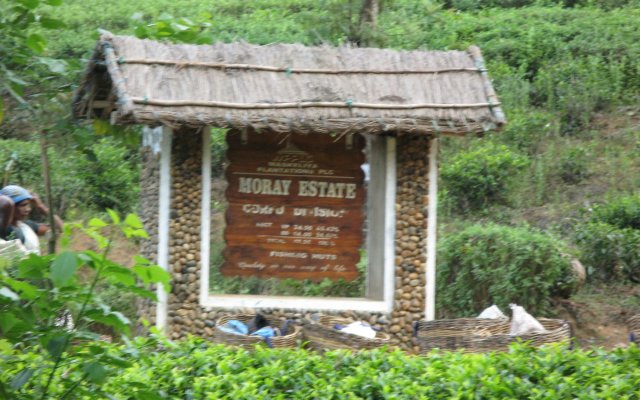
(288, 338)
(484, 335)
(634, 329)
(322, 335)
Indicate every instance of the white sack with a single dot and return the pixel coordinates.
(522, 322)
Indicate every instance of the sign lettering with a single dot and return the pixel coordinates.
(295, 206)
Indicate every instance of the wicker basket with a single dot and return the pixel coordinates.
(322, 335)
(288, 339)
(484, 335)
(634, 329)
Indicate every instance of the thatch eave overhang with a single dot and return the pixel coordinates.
(288, 88)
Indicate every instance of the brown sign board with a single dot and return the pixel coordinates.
(295, 206)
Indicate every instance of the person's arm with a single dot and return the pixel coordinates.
(39, 205)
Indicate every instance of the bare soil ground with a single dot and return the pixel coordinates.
(599, 314)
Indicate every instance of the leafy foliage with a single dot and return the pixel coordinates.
(609, 239)
(621, 212)
(197, 369)
(22, 58)
(484, 265)
(480, 177)
(48, 304)
(105, 175)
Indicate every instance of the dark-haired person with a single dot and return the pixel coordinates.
(6, 216)
(10, 246)
(25, 229)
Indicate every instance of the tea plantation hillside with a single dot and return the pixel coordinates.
(520, 210)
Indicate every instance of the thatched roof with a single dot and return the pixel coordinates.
(288, 87)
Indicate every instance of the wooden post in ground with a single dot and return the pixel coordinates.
(47, 184)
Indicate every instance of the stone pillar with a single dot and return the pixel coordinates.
(411, 228)
(148, 213)
(185, 316)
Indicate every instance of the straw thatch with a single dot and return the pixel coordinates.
(286, 88)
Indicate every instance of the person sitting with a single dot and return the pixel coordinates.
(10, 247)
(25, 229)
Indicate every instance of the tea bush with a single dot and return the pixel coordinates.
(609, 239)
(480, 177)
(484, 265)
(110, 175)
(608, 252)
(622, 212)
(195, 369)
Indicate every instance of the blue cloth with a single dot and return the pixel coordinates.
(234, 326)
(17, 193)
(266, 332)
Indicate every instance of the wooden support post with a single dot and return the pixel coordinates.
(47, 185)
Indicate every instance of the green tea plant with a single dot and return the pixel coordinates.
(621, 212)
(609, 239)
(481, 176)
(198, 370)
(490, 264)
(48, 304)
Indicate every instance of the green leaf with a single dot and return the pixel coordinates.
(52, 23)
(54, 3)
(101, 127)
(97, 223)
(56, 66)
(9, 294)
(114, 216)
(129, 233)
(153, 274)
(21, 378)
(141, 260)
(28, 291)
(56, 345)
(114, 319)
(33, 267)
(141, 32)
(30, 4)
(140, 292)
(95, 372)
(133, 221)
(64, 267)
(7, 322)
(5, 346)
(36, 42)
(118, 274)
(1, 109)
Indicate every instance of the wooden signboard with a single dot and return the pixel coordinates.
(295, 206)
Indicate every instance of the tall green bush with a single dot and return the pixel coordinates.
(609, 239)
(480, 177)
(484, 265)
(110, 173)
(104, 176)
(608, 252)
(622, 212)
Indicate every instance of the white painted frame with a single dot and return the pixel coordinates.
(432, 230)
(164, 206)
(301, 303)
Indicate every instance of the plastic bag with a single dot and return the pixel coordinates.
(522, 322)
(492, 312)
(360, 329)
